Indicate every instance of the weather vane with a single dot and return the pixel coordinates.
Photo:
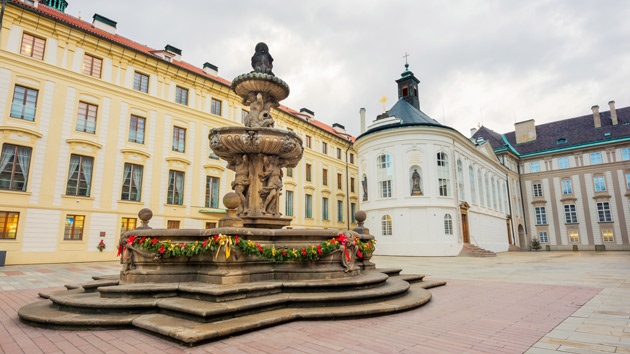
(382, 100)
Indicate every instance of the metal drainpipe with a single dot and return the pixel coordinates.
(348, 189)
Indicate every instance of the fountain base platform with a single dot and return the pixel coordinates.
(195, 312)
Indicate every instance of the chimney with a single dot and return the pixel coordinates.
(307, 112)
(175, 51)
(339, 128)
(596, 119)
(472, 131)
(613, 113)
(362, 114)
(103, 23)
(210, 69)
(525, 131)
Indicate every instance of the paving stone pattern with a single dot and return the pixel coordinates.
(491, 305)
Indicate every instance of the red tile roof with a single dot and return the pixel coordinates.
(88, 27)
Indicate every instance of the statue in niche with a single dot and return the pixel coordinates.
(262, 62)
(259, 115)
(365, 190)
(240, 185)
(272, 184)
(415, 183)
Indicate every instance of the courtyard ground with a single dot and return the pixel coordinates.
(544, 302)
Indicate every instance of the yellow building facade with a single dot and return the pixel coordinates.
(94, 127)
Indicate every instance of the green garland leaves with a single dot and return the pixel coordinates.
(250, 248)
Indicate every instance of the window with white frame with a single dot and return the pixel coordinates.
(132, 182)
(15, 161)
(175, 188)
(493, 183)
(541, 216)
(567, 187)
(563, 162)
(534, 167)
(607, 236)
(212, 192)
(488, 190)
(385, 175)
(288, 208)
(448, 224)
(482, 196)
(574, 237)
(596, 158)
(627, 180)
(86, 118)
(460, 180)
(537, 190)
(473, 192)
(603, 212)
(386, 225)
(600, 183)
(79, 175)
(570, 215)
(443, 174)
(543, 237)
(625, 154)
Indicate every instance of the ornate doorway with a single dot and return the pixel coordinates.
(463, 207)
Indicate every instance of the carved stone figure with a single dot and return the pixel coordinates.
(258, 115)
(415, 183)
(272, 178)
(240, 185)
(365, 193)
(351, 249)
(262, 62)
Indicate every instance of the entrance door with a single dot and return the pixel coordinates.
(465, 235)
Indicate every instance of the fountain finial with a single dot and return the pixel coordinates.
(262, 62)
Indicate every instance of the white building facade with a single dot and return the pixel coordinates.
(427, 190)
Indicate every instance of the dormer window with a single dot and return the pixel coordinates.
(561, 141)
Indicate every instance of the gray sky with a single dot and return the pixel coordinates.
(499, 61)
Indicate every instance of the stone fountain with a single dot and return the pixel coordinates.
(197, 285)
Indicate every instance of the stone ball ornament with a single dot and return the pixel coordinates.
(360, 215)
(231, 200)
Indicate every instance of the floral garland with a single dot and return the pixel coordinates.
(250, 248)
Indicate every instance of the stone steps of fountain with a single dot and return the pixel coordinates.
(192, 332)
(189, 316)
(94, 303)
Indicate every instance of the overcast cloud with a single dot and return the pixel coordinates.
(496, 61)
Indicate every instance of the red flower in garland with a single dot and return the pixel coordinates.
(319, 249)
(155, 240)
(369, 245)
(304, 251)
(141, 240)
(204, 243)
(260, 248)
(216, 238)
(342, 238)
(236, 241)
(284, 253)
(161, 250)
(131, 239)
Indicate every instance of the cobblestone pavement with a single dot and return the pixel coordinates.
(490, 305)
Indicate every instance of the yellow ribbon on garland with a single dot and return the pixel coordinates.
(224, 241)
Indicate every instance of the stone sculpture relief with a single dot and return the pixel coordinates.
(262, 62)
(240, 185)
(272, 185)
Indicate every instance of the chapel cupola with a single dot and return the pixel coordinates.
(408, 87)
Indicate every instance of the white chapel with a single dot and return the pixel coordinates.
(426, 188)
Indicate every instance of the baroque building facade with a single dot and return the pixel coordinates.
(574, 179)
(94, 127)
(427, 189)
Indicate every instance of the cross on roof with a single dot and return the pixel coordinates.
(405, 56)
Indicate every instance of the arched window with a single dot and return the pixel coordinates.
(385, 174)
(448, 224)
(415, 181)
(473, 188)
(482, 195)
(460, 180)
(386, 225)
(443, 174)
